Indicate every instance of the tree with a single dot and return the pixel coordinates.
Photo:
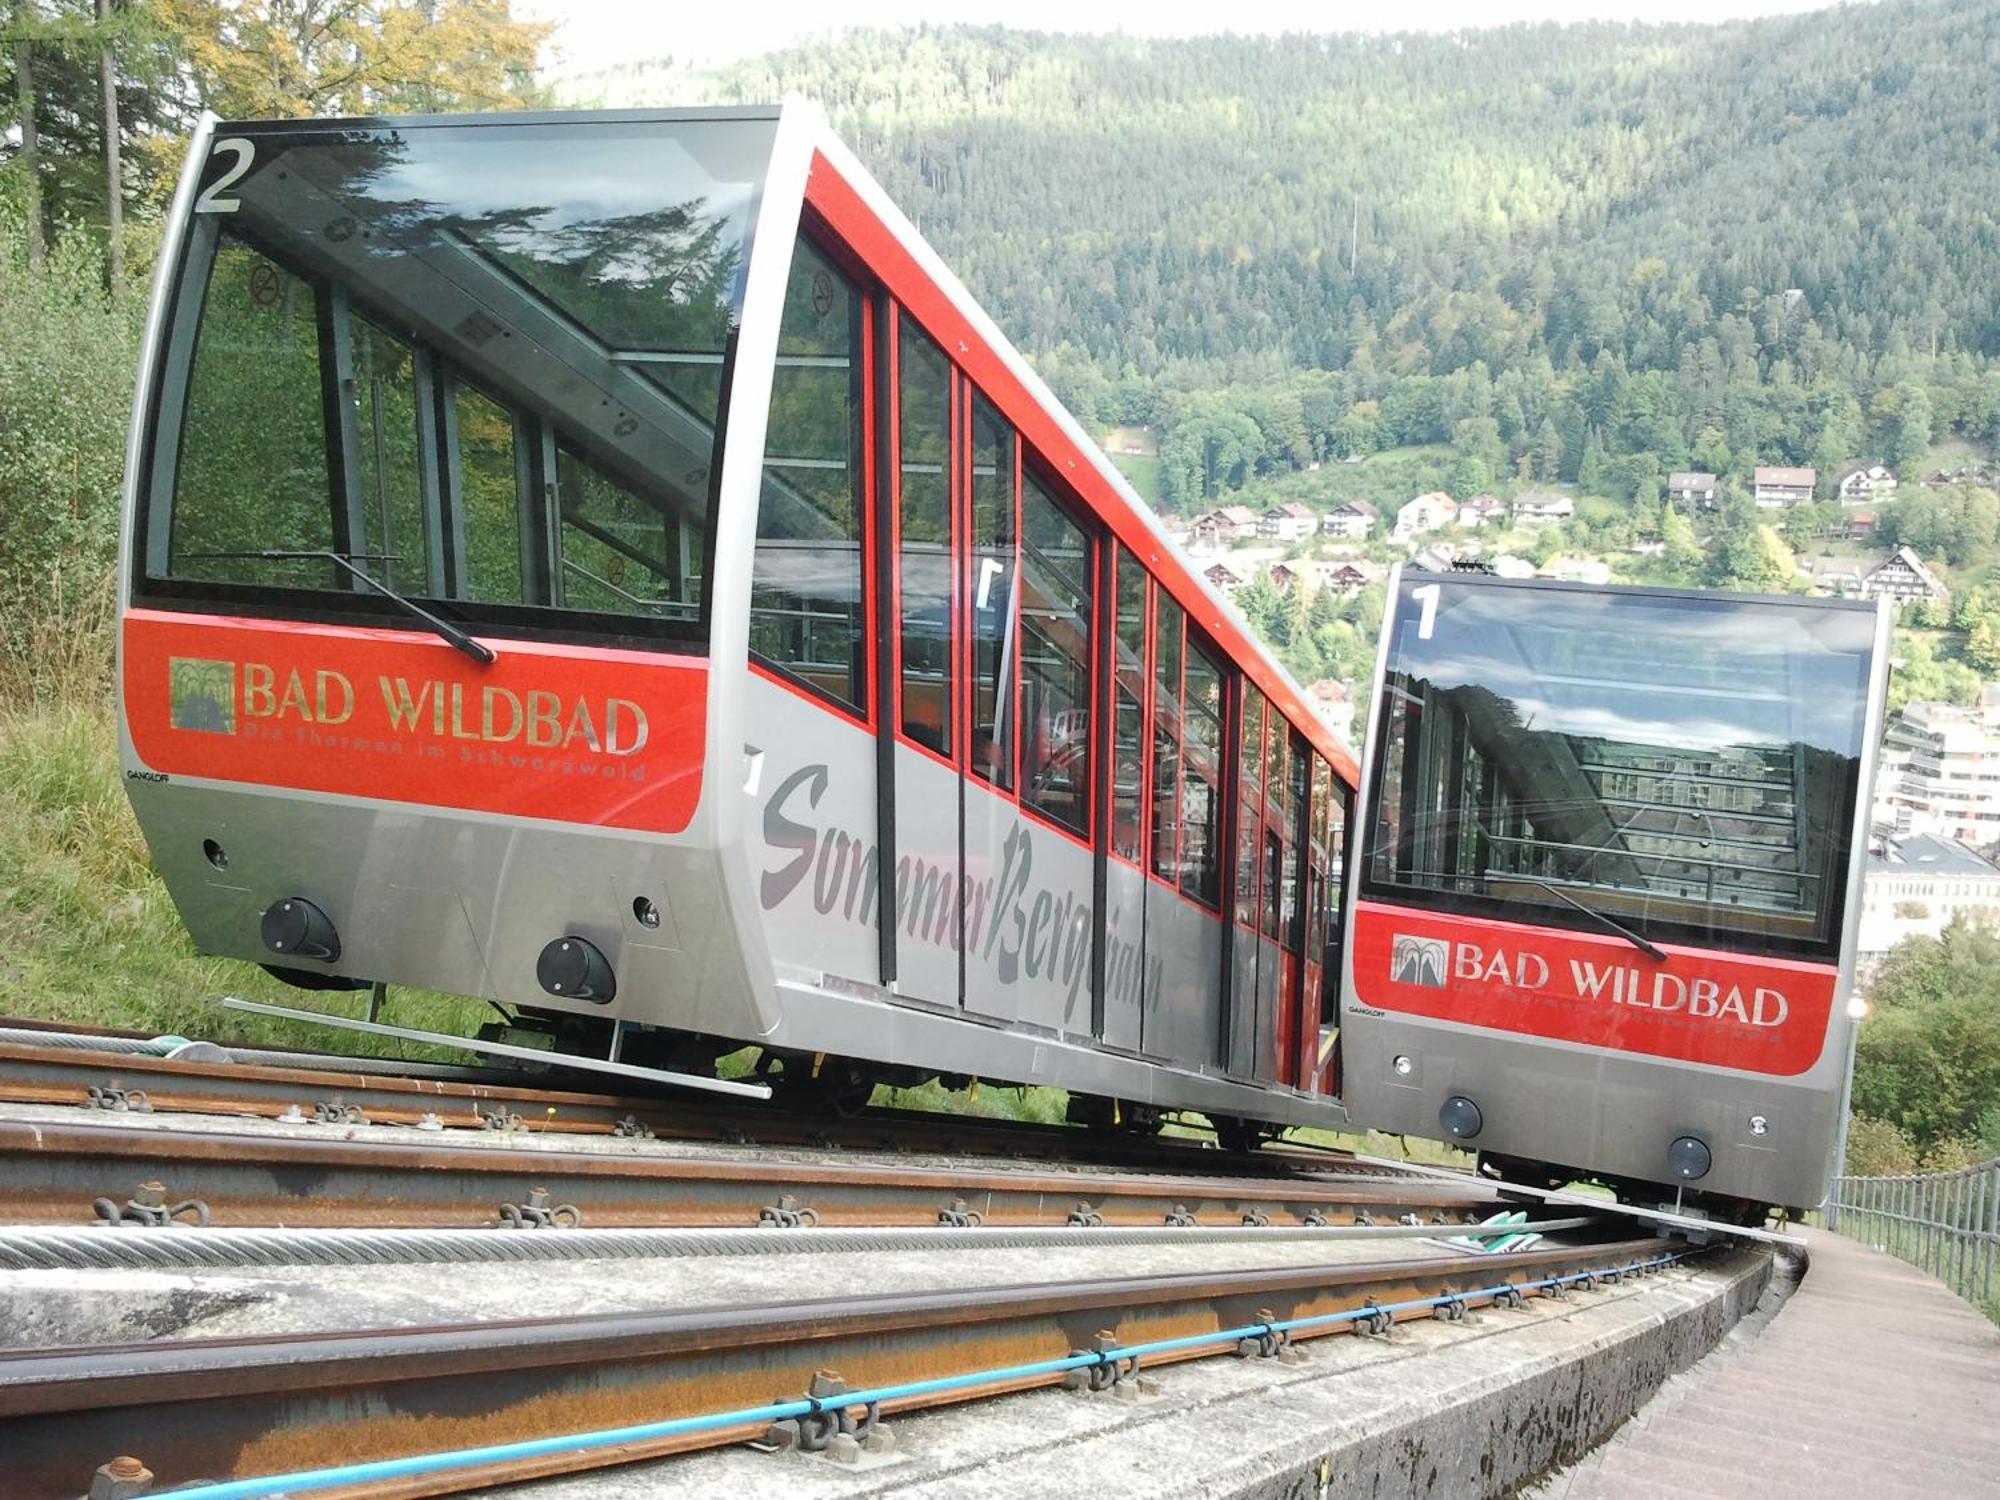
(1683, 554)
(114, 176)
(1928, 1060)
(260, 59)
(1982, 645)
(26, 115)
(1548, 452)
(1913, 426)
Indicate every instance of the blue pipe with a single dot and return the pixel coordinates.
(778, 1411)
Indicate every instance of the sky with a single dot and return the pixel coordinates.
(594, 34)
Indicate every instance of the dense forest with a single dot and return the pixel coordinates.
(1589, 253)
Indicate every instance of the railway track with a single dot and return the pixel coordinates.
(42, 1066)
(68, 1167)
(440, 1409)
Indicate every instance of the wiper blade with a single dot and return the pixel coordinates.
(1606, 921)
(449, 632)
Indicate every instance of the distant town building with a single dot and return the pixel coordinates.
(1480, 509)
(1424, 514)
(1538, 508)
(1780, 489)
(1344, 578)
(1902, 577)
(1860, 483)
(1224, 577)
(1915, 885)
(1351, 520)
(1836, 576)
(1230, 523)
(1288, 522)
(1332, 701)
(1436, 558)
(1570, 567)
(1692, 489)
(1940, 771)
(1283, 576)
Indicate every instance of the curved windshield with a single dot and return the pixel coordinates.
(482, 364)
(1684, 766)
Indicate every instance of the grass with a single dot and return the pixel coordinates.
(1144, 472)
(88, 934)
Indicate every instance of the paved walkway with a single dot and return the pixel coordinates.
(1872, 1381)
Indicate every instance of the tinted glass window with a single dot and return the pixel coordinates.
(924, 557)
(806, 606)
(1685, 764)
(622, 552)
(1168, 623)
(1128, 742)
(563, 282)
(1250, 803)
(1055, 660)
(1201, 775)
(254, 474)
(481, 435)
(992, 586)
(385, 395)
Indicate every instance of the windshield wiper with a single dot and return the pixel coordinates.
(449, 632)
(1604, 920)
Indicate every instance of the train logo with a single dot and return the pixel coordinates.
(1419, 960)
(201, 695)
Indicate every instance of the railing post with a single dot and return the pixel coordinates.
(1954, 1259)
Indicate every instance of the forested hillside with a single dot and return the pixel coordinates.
(1567, 251)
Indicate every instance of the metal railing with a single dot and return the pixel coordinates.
(1946, 1223)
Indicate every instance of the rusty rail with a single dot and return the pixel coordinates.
(319, 1086)
(220, 1409)
(57, 1171)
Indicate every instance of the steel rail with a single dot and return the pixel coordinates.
(57, 1171)
(233, 1409)
(272, 1086)
(54, 1249)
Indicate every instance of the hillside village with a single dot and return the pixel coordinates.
(1310, 579)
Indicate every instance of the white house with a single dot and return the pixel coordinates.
(1691, 488)
(1902, 577)
(1288, 522)
(1775, 488)
(1861, 483)
(1480, 509)
(1426, 513)
(1346, 578)
(1351, 520)
(1915, 885)
(1224, 577)
(1542, 509)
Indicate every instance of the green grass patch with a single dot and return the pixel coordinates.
(1040, 1106)
(1144, 472)
(88, 934)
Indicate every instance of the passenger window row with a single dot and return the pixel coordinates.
(995, 593)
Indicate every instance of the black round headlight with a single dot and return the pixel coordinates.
(296, 928)
(1460, 1117)
(1689, 1159)
(574, 969)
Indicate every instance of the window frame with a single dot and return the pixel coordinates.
(1079, 516)
(868, 385)
(352, 602)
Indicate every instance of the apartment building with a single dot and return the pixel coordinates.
(1940, 771)
(1914, 886)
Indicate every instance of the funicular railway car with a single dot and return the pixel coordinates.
(606, 564)
(1607, 882)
